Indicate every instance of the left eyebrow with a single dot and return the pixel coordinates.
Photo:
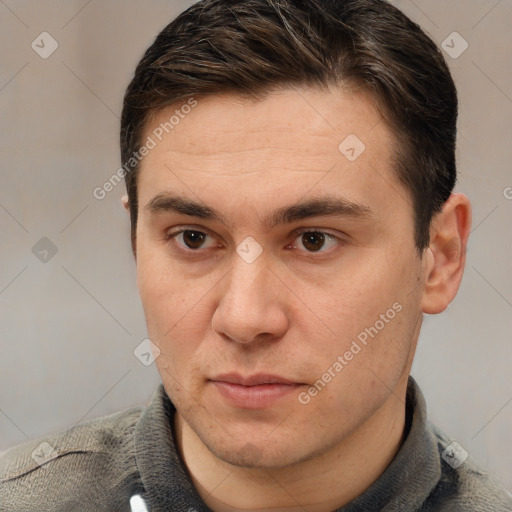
(332, 206)
(322, 207)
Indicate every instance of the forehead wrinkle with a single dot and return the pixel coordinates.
(242, 174)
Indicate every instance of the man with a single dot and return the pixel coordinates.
(290, 168)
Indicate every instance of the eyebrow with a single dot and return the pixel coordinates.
(317, 207)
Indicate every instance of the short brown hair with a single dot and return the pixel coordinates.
(253, 46)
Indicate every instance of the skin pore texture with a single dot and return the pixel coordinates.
(322, 279)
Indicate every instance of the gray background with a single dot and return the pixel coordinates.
(69, 325)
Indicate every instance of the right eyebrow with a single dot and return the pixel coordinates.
(170, 203)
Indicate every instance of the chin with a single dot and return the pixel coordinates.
(275, 452)
(251, 456)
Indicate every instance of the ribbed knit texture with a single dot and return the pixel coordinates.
(97, 466)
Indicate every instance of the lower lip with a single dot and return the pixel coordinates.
(254, 397)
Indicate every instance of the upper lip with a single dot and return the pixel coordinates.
(252, 380)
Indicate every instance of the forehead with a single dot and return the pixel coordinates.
(292, 143)
(225, 122)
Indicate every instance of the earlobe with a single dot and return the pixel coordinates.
(447, 254)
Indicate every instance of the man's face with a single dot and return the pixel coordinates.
(273, 357)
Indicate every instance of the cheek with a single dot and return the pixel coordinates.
(356, 374)
(162, 291)
(367, 315)
(351, 301)
(175, 309)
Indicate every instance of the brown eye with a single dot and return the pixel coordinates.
(193, 239)
(191, 242)
(313, 241)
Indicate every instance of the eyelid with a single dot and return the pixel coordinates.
(340, 240)
(174, 232)
(295, 233)
(171, 234)
(301, 231)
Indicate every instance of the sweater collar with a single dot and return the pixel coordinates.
(415, 470)
(404, 485)
(168, 487)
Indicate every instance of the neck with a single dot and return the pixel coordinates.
(321, 484)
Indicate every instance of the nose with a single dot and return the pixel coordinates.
(251, 304)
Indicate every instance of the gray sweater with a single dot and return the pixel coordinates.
(99, 465)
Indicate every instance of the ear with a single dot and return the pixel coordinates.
(126, 204)
(446, 254)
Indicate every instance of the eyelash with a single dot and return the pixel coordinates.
(295, 234)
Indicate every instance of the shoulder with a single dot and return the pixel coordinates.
(464, 486)
(79, 468)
